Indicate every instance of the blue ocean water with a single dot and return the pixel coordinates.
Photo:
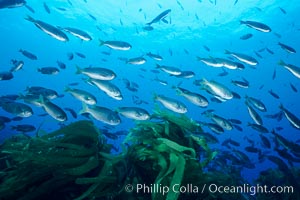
(193, 29)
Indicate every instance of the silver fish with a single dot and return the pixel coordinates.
(222, 122)
(242, 84)
(107, 87)
(243, 58)
(102, 114)
(82, 95)
(53, 110)
(17, 65)
(12, 3)
(246, 36)
(31, 98)
(134, 113)
(48, 70)
(169, 69)
(49, 29)
(295, 121)
(45, 92)
(171, 104)
(160, 17)
(194, 98)
(217, 89)
(97, 73)
(4, 76)
(254, 115)
(256, 103)
(117, 45)
(24, 128)
(292, 68)
(214, 127)
(77, 33)
(15, 108)
(154, 56)
(259, 128)
(210, 62)
(186, 74)
(287, 48)
(136, 61)
(257, 26)
(228, 63)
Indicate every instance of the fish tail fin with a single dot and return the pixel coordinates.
(204, 80)
(78, 70)
(178, 91)
(198, 58)
(158, 66)
(101, 42)
(41, 99)
(21, 96)
(84, 109)
(38, 69)
(242, 22)
(202, 83)
(281, 63)
(117, 110)
(245, 80)
(67, 89)
(174, 87)
(273, 131)
(281, 106)
(29, 18)
(226, 51)
(155, 96)
(88, 81)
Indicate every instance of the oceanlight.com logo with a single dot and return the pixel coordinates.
(248, 189)
(211, 188)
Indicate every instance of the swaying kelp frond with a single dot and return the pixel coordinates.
(75, 162)
(55, 160)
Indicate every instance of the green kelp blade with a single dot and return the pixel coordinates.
(172, 165)
(161, 161)
(175, 146)
(84, 168)
(177, 177)
(167, 128)
(105, 171)
(85, 129)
